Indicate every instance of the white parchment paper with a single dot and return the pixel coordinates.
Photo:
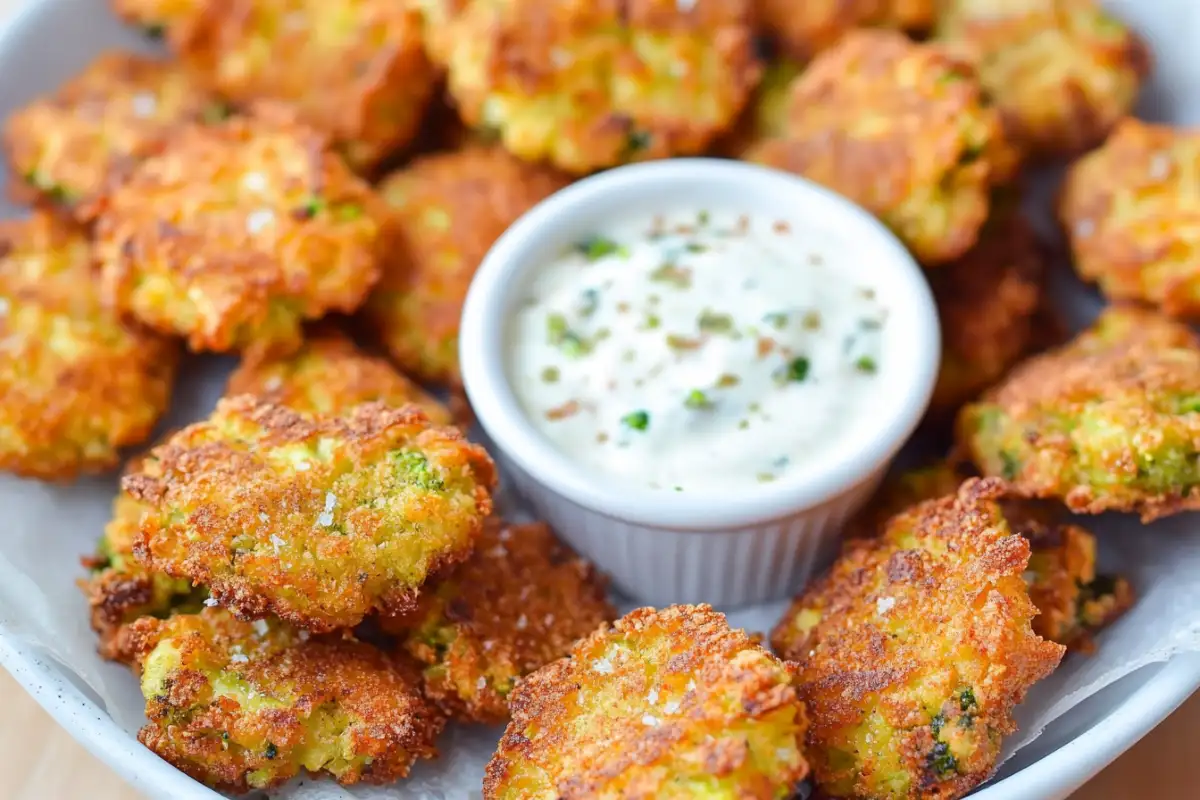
(44, 529)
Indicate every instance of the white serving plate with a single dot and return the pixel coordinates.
(43, 42)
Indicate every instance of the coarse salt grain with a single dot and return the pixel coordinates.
(522, 623)
(691, 686)
(685, 5)
(652, 698)
(260, 220)
(260, 627)
(239, 658)
(1085, 228)
(262, 517)
(275, 540)
(603, 666)
(671, 707)
(255, 181)
(1160, 166)
(4, 306)
(649, 720)
(210, 602)
(144, 105)
(481, 683)
(884, 604)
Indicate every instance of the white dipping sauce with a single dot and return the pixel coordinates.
(697, 351)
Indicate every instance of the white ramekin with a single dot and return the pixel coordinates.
(749, 545)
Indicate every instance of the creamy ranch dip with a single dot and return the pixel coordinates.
(698, 350)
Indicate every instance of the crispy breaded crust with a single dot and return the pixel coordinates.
(447, 210)
(914, 649)
(77, 383)
(585, 84)
(1073, 602)
(234, 234)
(1061, 72)
(68, 148)
(1109, 422)
(1132, 215)
(988, 303)
(900, 128)
(804, 29)
(661, 704)
(173, 20)
(355, 69)
(518, 604)
(328, 375)
(241, 705)
(316, 519)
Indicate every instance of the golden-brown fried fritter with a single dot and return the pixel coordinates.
(76, 383)
(1073, 602)
(913, 650)
(667, 704)
(248, 705)
(68, 148)
(447, 211)
(519, 603)
(355, 69)
(330, 375)
(806, 28)
(1061, 72)
(317, 519)
(1131, 210)
(236, 233)
(988, 303)
(120, 589)
(586, 85)
(1109, 422)
(902, 129)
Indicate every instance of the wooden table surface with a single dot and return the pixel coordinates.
(40, 761)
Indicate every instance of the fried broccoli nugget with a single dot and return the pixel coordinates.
(901, 129)
(69, 147)
(1061, 72)
(661, 704)
(240, 705)
(913, 650)
(586, 85)
(236, 233)
(120, 590)
(447, 211)
(173, 20)
(77, 383)
(1109, 422)
(988, 303)
(804, 29)
(355, 69)
(330, 375)
(518, 604)
(1073, 602)
(317, 519)
(1131, 210)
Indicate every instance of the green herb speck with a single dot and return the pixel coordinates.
(765, 477)
(703, 218)
(966, 699)
(271, 751)
(678, 277)
(796, 371)
(714, 322)
(347, 212)
(697, 399)
(595, 248)
(637, 141)
(728, 380)
(637, 420)
(550, 375)
(776, 319)
(556, 328)
(811, 321)
(652, 322)
(941, 760)
(589, 301)
(866, 365)
(695, 247)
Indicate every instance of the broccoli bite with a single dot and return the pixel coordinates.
(236, 233)
(1131, 215)
(318, 519)
(249, 705)
(988, 303)
(77, 383)
(804, 29)
(902, 129)
(354, 69)
(914, 649)
(447, 210)
(1108, 422)
(1061, 72)
(120, 590)
(661, 704)
(1073, 602)
(68, 148)
(518, 604)
(585, 85)
(330, 375)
